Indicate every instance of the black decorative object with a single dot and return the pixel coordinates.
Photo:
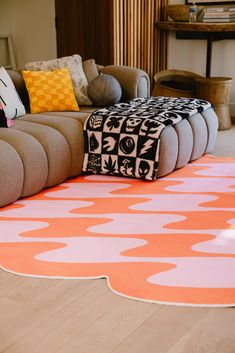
(3, 119)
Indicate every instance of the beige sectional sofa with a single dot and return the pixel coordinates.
(42, 150)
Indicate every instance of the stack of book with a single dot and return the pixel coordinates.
(219, 14)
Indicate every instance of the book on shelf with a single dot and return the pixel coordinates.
(218, 20)
(226, 14)
(220, 14)
(218, 9)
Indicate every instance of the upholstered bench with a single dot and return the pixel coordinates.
(148, 138)
(187, 140)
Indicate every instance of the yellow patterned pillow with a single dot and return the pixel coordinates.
(50, 90)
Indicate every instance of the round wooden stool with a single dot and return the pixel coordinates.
(217, 90)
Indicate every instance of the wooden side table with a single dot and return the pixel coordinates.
(208, 31)
(217, 90)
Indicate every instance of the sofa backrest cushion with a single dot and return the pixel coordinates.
(18, 81)
(90, 69)
(135, 83)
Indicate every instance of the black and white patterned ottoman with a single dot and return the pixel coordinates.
(148, 138)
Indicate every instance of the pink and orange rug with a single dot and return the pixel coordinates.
(170, 241)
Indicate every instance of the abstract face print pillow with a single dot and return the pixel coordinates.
(9, 97)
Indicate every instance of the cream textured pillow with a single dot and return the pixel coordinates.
(9, 98)
(50, 91)
(74, 64)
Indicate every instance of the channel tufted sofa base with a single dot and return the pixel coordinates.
(43, 150)
(186, 141)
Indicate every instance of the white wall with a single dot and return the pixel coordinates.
(32, 25)
(190, 55)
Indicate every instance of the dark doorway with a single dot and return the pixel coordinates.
(85, 27)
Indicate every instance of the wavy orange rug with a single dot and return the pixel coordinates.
(169, 241)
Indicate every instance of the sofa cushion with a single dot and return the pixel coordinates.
(12, 173)
(55, 146)
(33, 160)
(74, 64)
(71, 129)
(134, 82)
(90, 69)
(9, 97)
(82, 115)
(18, 81)
(50, 90)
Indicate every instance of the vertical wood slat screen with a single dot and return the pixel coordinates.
(137, 42)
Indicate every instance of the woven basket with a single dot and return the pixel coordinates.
(175, 83)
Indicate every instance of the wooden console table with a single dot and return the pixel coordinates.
(200, 30)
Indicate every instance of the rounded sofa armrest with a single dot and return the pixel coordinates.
(134, 82)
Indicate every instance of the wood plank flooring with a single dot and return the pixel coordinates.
(84, 316)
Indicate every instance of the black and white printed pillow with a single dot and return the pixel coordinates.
(9, 98)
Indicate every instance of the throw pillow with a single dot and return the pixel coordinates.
(74, 64)
(50, 91)
(4, 121)
(9, 97)
(104, 90)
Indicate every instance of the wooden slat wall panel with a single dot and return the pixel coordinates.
(137, 41)
(161, 37)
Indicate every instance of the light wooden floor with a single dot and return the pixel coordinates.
(84, 316)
